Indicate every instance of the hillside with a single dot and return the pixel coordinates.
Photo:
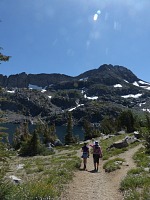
(96, 93)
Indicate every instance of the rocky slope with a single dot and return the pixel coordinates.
(92, 95)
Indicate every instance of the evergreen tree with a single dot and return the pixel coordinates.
(48, 133)
(90, 130)
(108, 125)
(147, 134)
(148, 122)
(69, 137)
(3, 57)
(32, 146)
(126, 121)
(21, 135)
(24, 131)
(87, 130)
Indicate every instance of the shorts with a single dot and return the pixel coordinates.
(85, 155)
(96, 158)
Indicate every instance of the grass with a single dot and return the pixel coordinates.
(112, 165)
(34, 190)
(43, 177)
(136, 185)
(141, 158)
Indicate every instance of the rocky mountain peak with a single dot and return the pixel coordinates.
(105, 74)
(118, 72)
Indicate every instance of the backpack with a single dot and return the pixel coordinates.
(97, 150)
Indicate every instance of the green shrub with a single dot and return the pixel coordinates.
(141, 158)
(33, 190)
(131, 194)
(136, 184)
(135, 181)
(6, 189)
(135, 171)
(113, 164)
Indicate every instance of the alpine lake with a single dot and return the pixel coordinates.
(10, 129)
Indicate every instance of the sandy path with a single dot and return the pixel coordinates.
(100, 185)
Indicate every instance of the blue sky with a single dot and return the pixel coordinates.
(73, 36)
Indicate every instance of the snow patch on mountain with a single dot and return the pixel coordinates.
(145, 87)
(75, 107)
(43, 90)
(142, 82)
(146, 110)
(135, 83)
(142, 104)
(117, 85)
(83, 79)
(126, 81)
(11, 91)
(91, 98)
(132, 96)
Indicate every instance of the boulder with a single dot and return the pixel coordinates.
(137, 134)
(49, 145)
(119, 144)
(124, 143)
(15, 179)
(131, 139)
(57, 142)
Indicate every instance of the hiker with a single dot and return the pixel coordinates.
(85, 154)
(97, 154)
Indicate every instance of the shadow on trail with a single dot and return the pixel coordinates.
(81, 169)
(93, 171)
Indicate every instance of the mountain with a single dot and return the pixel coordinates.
(92, 95)
(106, 74)
(23, 80)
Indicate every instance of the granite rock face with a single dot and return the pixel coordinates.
(23, 80)
(105, 74)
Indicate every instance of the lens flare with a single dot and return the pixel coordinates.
(98, 12)
(96, 15)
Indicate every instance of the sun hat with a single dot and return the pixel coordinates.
(96, 143)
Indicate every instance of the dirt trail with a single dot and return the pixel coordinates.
(100, 185)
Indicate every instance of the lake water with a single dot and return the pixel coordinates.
(60, 131)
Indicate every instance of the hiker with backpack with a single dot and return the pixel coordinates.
(97, 154)
(85, 155)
